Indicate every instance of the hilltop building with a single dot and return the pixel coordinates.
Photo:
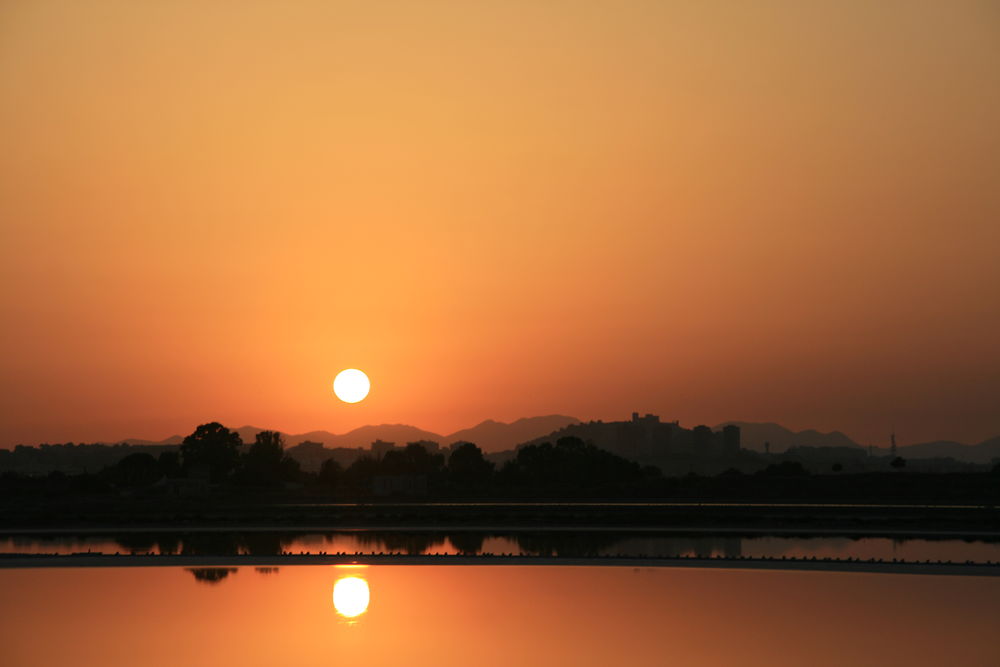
(647, 437)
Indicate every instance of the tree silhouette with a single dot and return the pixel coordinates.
(262, 464)
(170, 464)
(573, 468)
(898, 463)
(467, 469)
(268, 447)
(213, 446)
(330, 473)
(467, 543)
(210, 544)
(211, 575)
(139, 469)
(358, 476)
(414, 459)
(290, 469)
(136, 543)
(411, 543)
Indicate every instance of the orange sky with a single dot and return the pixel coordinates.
(774, 211)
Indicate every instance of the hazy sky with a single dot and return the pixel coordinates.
(767, 211)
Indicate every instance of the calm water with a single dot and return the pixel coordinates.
(518, 615)
(564, 543)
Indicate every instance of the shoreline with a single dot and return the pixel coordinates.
(734, 531)
(18, 561)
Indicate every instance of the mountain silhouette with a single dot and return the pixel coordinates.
(494, 436)
(172, 440)
(490, 435)
(755, 434)
(359, 437)
(984, 452)
(398, 433)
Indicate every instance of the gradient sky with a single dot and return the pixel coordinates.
(768, 211)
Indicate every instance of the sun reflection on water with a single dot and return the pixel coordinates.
(351, 596)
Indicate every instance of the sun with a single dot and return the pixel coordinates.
(351, 596)
(351, 385)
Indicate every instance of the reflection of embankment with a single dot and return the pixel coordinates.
(412, 544)
(571, 545)
(207, 543)
(213, 569)
(552, 542)
(468, 544)
(658, 545)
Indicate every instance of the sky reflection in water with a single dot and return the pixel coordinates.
(499, 615)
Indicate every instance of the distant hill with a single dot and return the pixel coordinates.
(359, 437)
(494, 436)
(984, 452)
(753, 435)
(172, 440)
(397, 433)
(497, 439)
(489, 435)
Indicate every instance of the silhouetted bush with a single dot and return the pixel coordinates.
(785, 469)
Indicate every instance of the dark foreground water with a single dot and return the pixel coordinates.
(469, 615)
(571, 543)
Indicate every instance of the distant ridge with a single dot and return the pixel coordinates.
(984, 452)
(494, 436)
(172, 440)
(753, 435)
(359, 437)
(489, 435)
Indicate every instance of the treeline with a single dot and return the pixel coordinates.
(213, 461)
(71, 458)
(569, 468)
(212, 454)
(215, 456)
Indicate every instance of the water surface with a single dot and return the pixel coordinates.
(517, 615)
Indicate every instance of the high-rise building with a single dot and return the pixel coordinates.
(381, 447)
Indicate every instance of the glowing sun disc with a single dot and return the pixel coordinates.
(351, 385)
(351, 596)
